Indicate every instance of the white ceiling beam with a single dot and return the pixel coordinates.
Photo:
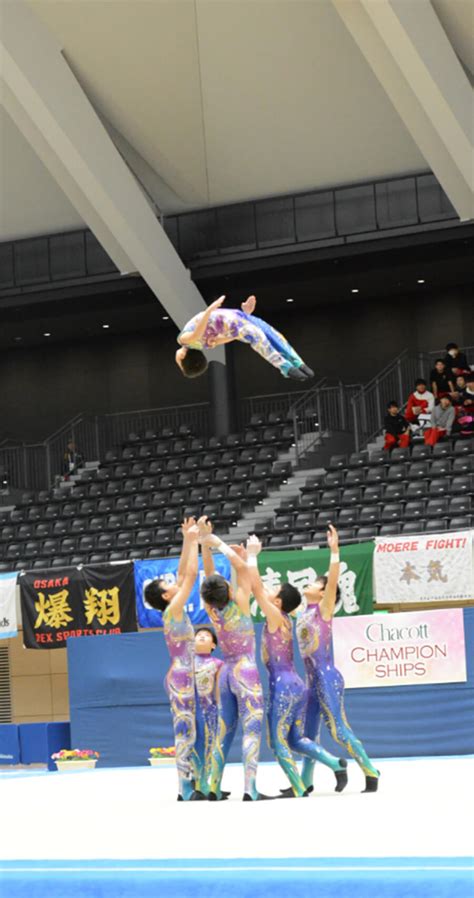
(405, 45)
(42, 95)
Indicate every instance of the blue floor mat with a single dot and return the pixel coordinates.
(242, 878)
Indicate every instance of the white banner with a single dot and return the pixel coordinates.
(8, 620)
(425, 568)
(406, 649)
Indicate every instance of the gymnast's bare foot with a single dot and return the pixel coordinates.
(249, 305)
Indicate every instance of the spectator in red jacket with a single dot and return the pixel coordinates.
(397, 431)
(419, 406)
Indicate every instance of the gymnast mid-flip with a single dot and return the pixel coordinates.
(217, 326)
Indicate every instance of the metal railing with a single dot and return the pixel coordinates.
(34, 466)
(320, 413)
(280, 403)
(396, 381)
(115, 428)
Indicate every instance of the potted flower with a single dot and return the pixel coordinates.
(75, 759)
(161, 756)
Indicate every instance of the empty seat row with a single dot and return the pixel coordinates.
(417, 452)
(360, 533)
(226, 511)
(421, 470)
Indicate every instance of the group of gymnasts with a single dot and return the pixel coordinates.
(208, 695)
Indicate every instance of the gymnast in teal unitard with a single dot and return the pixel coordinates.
(286, 704)
(325, 682)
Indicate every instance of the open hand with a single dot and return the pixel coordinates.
(192, 533)
(254, 546)
(187, 524)
(205, 527)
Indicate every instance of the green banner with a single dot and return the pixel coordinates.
(301, 568)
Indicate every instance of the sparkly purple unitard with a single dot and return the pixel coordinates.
(206, 671)
(179, 636)
(240, 693)
(286, 706)
(326, 690)
(233, 324)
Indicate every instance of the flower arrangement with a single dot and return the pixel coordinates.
(75, 754)
(169, 752)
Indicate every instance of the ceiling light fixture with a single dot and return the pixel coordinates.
(46, 335)
(290, 299)
(420, 281)
(105, 326)
(355, 290)
(165, 317)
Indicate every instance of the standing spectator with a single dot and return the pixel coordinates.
(397, 431)
(455, 361)
(73, 460)
(441, 384)
(419, 406)
(442, 420)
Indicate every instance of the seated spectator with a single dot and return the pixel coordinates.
(442, 420)
(397, 431)
(419, 406)
(72, 460)
(455, 361)
(457, 395)
(441, 384)
(464, 424)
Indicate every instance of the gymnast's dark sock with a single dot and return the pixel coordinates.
(371, 784)
(307, 370)
(296, 374)
(259, 797)
(341, 776)
(213, 797)
(198, 796)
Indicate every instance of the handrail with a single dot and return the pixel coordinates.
(395, 381)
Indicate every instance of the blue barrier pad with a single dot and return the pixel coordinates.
(38, 741)
(119, 706)
(9, 744)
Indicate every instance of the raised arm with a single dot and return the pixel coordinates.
(199, 331)
(242, 592)
(190, 546)
(183, 561)
(328, 602)
(205, 530)
(272, 613)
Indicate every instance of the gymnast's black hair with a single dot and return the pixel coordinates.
(194, 363)
(215, 591)
(153, 594)
(290, 597)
